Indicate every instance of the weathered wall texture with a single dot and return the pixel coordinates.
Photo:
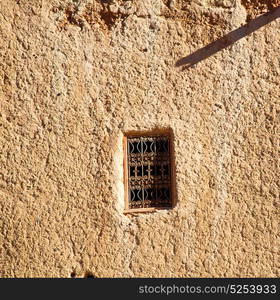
(75, 75)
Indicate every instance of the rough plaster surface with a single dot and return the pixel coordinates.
(75, 75)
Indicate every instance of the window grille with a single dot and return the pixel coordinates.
(148, 171)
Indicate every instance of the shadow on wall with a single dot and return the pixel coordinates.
(228, 39)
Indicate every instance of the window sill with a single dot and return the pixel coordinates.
(145, 210)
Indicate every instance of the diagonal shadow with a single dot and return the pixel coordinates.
(229, 39)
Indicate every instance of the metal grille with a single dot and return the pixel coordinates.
(149, 171)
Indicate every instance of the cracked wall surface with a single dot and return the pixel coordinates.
(256, 7)
(76, 75)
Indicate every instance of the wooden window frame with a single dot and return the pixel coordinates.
(130, 134)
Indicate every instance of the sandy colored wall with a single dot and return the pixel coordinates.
(75, 75)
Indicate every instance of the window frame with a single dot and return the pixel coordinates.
(131, 134)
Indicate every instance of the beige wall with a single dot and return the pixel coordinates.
(73, 80)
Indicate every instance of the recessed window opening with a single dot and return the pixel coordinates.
(148, 171)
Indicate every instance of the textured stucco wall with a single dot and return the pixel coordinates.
(75, 75)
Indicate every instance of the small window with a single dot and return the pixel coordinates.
(148, 172)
